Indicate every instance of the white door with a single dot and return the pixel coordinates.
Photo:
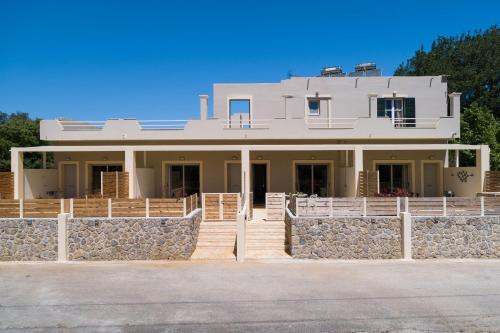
(69, 181)
(431, 181)
(234, 177)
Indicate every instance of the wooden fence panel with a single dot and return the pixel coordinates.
(115, 185)
(9, 208)
(6, 185)
(128, 208)
(383, 206)
(347, 206)
(368, 183)
(166, 207)
(426, 206)
(230, 206)
(312, 206)
(492, 181)
(275, 206)
(463, 206)
(90, 207)
(41, 208)
(491, 205)
(211, 206)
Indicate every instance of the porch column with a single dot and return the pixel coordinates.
(358, 166)
(17, 167)
(483, 162)
(130, 168)
(245, 176)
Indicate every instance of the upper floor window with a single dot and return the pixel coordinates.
(393, 105)
(239, 113)
(314, 106)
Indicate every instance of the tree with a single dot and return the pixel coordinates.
(19, 130)
(478, 126)
(472, 62)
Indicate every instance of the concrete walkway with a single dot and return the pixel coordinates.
(290, 296)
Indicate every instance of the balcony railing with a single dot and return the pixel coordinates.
(334, 123)
(79, 125)
(246, 124)
(415, 122)
(162, 124)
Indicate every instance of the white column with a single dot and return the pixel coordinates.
(245, 176)
(483, 162)
(457, 158)
(62, 236)
(130, 168)
(446, 158)
(358, 166)
(406, 235)
(17, 167)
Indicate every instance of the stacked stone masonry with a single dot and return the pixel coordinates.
(344, 237)
(133, 238)
(28, 239)
(456, 237)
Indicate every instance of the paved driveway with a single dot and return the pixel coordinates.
(250, 297)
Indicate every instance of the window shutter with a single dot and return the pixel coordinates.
(409, 111)
(380, 107)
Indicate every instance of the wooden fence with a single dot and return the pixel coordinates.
(221, 206)
(50, 208)
(492, 181)
(275, 206)
(6, 185)
(368, 184)
(392, 206)
(114, 185)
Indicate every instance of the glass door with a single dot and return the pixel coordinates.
(183, 180)
(312, 179)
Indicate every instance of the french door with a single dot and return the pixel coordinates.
(312, 179)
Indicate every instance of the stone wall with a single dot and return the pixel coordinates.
(28, 239)
(343, 237)
(133, 238)
(456, 237)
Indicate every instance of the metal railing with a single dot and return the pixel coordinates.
(334, 123)
(415, 122)
(162, 124)
(80, 125)
(246, 124)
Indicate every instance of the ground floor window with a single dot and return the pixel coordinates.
(96, 175)
(182, 180)
(312, 179)
(393, 178)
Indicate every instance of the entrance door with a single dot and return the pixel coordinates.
(259, 183)
(431, 180)
(69, 180)
(96, 175)
(312, 179)
(234, 177)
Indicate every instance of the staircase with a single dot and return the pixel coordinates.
(265, 239)
(216, 240)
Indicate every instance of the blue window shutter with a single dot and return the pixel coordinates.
(380, 107)
(409, 111)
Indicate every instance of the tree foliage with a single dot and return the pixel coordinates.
(19, 130)
(472, 62)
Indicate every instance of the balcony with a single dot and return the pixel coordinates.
(234, 129)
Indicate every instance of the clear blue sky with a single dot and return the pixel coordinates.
(151, 59)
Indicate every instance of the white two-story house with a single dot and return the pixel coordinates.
(315, 135)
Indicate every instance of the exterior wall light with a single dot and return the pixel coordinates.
(234, 158)
(393, 157)
(313, 157)
(182, 158)
(259, 157)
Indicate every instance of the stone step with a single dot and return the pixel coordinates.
(278, 237)
(266, 254)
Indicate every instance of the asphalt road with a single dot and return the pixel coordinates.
(301, 296)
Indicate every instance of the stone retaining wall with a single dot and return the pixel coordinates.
(456, 237)
(28, 239)
(343, 237)
(133, 238)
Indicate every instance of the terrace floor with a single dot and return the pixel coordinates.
(284, 296)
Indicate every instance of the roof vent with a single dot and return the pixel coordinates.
(335, 71)
(366, 69)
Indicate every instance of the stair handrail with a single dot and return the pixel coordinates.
(241, 230)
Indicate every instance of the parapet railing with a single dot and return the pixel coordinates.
(50, 208)
(334, 123)
(393, 206)
(162, 124)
